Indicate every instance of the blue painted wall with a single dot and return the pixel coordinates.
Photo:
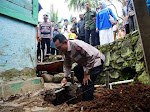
(17, 44)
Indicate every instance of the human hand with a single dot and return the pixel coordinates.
(97, 29)
(51, 39)
(86, 79)
(64, 82)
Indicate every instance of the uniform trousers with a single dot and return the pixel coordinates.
(88, 34)
(47, 42)
(88, 90)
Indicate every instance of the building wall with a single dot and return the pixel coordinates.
(17, 44)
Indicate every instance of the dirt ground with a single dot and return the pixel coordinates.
(124, 98)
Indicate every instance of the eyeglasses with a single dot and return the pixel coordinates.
(59, 47)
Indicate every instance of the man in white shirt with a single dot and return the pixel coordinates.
(66, 28)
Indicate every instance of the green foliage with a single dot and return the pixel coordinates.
(79, 4)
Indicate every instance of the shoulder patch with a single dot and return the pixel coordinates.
(79, 48)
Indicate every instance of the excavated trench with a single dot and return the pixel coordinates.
(70, 94)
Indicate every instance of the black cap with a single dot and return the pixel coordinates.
(65, 20)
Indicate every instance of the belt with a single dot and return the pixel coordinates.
(45, 33)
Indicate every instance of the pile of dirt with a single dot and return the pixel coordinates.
(124, 98)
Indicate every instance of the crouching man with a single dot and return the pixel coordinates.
(89, 59)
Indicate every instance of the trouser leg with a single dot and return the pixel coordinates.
(38, 50)
(97, 42)
(43, 46)
(48, 45)
(88, 90)
(93, 37)
(52, 51)
(87, 36)
(127, 28)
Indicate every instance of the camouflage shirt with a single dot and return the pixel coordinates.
(88, 18)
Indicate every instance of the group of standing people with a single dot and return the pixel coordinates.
(129, 21)
(94, 27)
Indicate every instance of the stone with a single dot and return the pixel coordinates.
(107, 61)
(47, 77)
(58, 77)
(114, 75)
(144, 78)
(126, 49)
(139, 66)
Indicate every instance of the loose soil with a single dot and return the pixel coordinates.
(124, 98)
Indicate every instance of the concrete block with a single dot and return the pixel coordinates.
(21, 87)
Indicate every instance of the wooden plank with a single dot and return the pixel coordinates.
(27, 4)
(143, 20)
(32, 19)
(35, 11)
(15, 8)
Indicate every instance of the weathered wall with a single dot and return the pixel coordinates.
(17, 44)
(124, 60)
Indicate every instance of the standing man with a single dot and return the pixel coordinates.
(90, 27)
(125, 19)
(45, 34)
(131, 15)
(81, 28)
(88, 58)
(74, 20)
(66, 28)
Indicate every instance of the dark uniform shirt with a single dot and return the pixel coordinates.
(88, 18)
(75, 28)
(81, 26)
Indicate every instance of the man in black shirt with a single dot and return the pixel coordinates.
(81, 28)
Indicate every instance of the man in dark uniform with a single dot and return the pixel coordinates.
(81, 28)
(88, 58)
(74, 21)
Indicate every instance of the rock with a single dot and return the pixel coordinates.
(47, 77)
(139, 66)
(126, 49)
(115, 55)
(144, 78)
(121, 55)
(120, 60)
(139, 50)
(107, 61)
(114, 75)
(134, 40)
(58, 77)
